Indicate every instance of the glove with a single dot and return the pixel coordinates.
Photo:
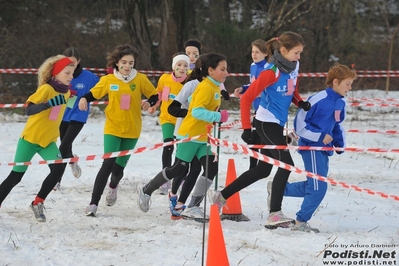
(304, 105)
(225, 94)
(224, 115)
(339, 152)
(247, 136)
(57, 100)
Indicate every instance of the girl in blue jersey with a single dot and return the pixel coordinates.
(74, 119)
(277, 85)
(321, 126)
(259, 57)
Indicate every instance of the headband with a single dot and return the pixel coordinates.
(60, 65)
(193, 43)
(180, 57)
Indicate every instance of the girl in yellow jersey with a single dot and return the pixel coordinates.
(169, 85)
(45, 110)
(203, 111)
(122, 128)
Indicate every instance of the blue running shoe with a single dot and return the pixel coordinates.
(172, 201)
(177, 212)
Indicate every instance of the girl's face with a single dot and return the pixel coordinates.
(66, 75)
(180, 69)
(292, 55)
(192, 53)
(343, 87)
(257, 55)
(125, 64)
(220, 72)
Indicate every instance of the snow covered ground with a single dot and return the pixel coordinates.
(358, 227)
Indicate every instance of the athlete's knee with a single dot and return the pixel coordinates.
(57, 169)
(180, 167)
(213, 166)
(117, 171)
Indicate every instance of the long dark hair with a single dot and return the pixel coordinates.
(202, 64)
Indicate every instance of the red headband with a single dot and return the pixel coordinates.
(60, 65)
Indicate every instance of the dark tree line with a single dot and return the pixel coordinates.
(358, 32)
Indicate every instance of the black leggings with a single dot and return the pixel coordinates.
(167, 153)
(178, 171)
(271, 134)
(190, 180)
(68, 133)
(257, 141)
(48, 184)
(109, 166)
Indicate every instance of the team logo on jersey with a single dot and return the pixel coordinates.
(80, 86)
(132, 87)
(172, 96)
(281, 89)
(217, 96)
(114, 87)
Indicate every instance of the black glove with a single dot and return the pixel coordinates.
(304, 105)
(57, 100)
(247, 136)
(225, 94)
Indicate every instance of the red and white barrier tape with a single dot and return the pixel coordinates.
(312, 148)
(373, 131)
(372, 99)
(378, 71)
(246, 150)
(102, 156)
(375, 74)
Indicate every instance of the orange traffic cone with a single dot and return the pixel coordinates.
(232, 210)
(217, 254)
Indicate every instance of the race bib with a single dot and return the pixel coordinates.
(337, 115)
(125, 102)
(71, 102)
(54, 112)
(165, 94)
(290, 87)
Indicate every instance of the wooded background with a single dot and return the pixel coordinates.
(360, 33)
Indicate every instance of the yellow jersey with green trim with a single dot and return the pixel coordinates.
(44, 128)
(123, 112)
(206, 96)
(168, 89)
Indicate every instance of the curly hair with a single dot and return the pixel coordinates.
(119, 52)
(44, 73)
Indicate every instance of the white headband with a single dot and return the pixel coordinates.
(180, 57)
